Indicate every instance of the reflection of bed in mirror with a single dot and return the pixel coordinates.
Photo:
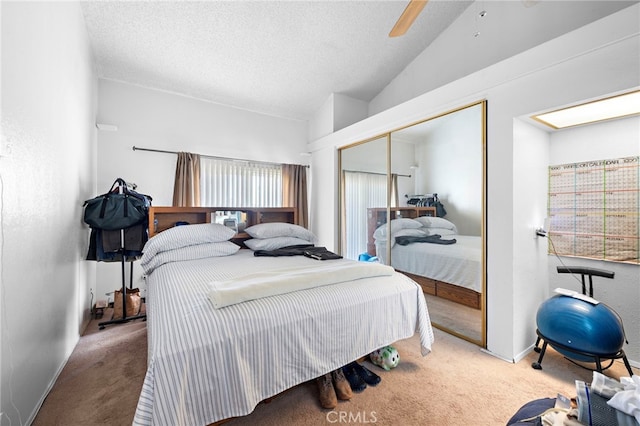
(450, 271)
(376, 216)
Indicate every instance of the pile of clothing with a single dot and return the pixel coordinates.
(592, 405)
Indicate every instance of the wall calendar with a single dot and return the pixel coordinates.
(594, 210)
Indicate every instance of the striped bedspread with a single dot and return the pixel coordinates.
(207, 364)
(459, 263)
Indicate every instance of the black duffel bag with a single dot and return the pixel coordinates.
(120, 208)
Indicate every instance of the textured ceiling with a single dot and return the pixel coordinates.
(285, 58)
(280, 57)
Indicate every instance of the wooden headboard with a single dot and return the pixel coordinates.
(162, 218)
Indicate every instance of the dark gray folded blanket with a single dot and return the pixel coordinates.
(434, 239)
(318, 253)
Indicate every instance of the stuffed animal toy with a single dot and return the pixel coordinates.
(386, 357)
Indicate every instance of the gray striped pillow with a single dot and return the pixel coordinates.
(280, 229)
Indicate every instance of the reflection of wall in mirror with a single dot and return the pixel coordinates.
(236, 220)
(451, 165)
(368, 157)
(403, 156)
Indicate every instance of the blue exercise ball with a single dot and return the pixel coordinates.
(580, 326)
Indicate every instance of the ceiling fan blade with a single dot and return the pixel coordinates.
(409, 15)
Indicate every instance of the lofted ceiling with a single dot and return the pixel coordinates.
(285, 58)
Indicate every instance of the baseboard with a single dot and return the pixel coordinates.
(523, 354)
(488, 352)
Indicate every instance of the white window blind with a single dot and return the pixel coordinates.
(229, 183)
(362, 190)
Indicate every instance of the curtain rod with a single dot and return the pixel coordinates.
(136, 148)
(374, 173)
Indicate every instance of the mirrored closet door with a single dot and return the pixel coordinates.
(363, 177)
(414, 199)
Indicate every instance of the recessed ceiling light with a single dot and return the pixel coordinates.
(618, 106)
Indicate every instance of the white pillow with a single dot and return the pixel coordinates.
(274, 243)
(198, 251)
(187, 235)
(435, 222)
(440, 231)
(396, 225)
(280, 229)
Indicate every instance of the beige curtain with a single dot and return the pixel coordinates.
(294, 190)
(186, 188)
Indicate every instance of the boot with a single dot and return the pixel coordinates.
(327, 393)
(341, 385)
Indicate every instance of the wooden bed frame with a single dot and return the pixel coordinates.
(162, 218)
(452, 292)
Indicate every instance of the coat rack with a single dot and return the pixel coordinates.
(125, 318)
(119, 230)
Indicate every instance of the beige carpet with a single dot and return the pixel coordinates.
(102, 379)
(457, 384)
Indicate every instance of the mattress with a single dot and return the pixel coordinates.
(459, 263)
(207, 364)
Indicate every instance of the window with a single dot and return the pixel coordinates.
(232, 183)
(361, 191)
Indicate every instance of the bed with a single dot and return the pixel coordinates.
(449, 271)
(208, 363)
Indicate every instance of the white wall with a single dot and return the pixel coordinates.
(595, 60)
(607, 140)
(159, 120)
(47, 170)
(530, 184)
(322, 122)
(451, 166)
(597, 141)
(323, 215)
(337, 112)
(403, 156)
(348, 110)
